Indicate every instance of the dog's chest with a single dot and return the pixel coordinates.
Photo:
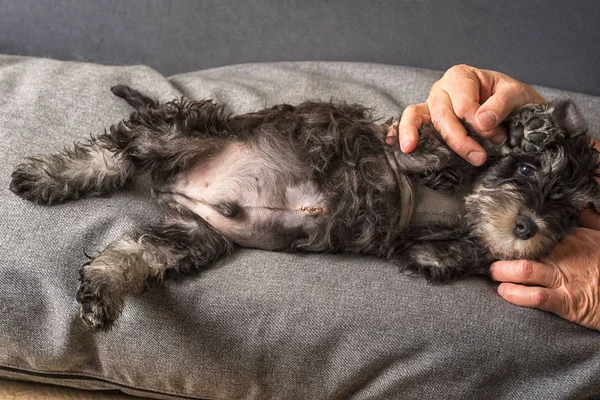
(251, 196)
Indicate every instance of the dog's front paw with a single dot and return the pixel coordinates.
(532, 128)
(99, 307)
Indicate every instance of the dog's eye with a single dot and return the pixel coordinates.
(526, 169)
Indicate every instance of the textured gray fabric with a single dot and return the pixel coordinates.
(260, 324)
(548, 42)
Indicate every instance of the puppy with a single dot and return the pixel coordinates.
(317, 177)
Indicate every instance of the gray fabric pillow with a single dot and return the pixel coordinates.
(259, 324)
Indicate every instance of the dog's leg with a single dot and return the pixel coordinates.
(92, 168)
(442, 253)
(434, 165)
(129, 265)
(88, 169)
(161, 140)
(165, 139)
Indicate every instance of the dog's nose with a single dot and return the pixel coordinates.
(525, 228)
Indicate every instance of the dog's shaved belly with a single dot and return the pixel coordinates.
(251, 198)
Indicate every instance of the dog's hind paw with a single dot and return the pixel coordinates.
(532, 128)
(31, 181)
(98, 309)
(93, 313)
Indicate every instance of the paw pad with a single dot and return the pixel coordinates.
(532, 128)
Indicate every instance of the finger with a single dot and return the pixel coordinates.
(552, 300)
(451, 129)
(589, 219)
(479, 85)
(508, 95)
(527, 272)
(463, 87)
(496, 135)
(412, 119)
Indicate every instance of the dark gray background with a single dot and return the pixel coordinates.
(551, 42)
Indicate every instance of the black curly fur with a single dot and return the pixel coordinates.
(333, 155)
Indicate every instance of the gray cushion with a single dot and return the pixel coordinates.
(259, 324)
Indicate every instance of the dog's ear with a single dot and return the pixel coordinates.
(568, 116)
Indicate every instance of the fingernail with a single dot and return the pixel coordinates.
(501, 290)
(476, 158)
(487, 119)
(498, 139)
(404, 143)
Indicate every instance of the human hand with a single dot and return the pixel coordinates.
(566, 283)
(483, 98)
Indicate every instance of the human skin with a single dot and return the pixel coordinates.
(567, 282)
(482, 98)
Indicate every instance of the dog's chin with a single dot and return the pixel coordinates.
(497, 231)
(513, 248)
